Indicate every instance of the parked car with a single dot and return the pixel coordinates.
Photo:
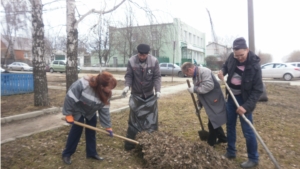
(19, 66)
(167, 68)
(60, 66)
(280, 70)
(297, 64)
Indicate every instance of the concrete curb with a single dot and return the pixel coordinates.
(44, 112)
(119, 110)
(29, 134)
(30, 114)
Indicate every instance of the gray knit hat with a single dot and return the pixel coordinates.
(239, 43)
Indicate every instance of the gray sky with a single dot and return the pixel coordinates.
(276, 22)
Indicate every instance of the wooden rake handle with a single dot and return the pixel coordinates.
(195, 104)
(254, 130)
(102, 131)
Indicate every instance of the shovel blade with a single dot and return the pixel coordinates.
(203, 135)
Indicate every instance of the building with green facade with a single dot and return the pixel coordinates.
(170, 42)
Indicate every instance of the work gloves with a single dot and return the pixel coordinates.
(191, 89)
(125, 90)
(70, 119)
(158, 94)
(110, 132)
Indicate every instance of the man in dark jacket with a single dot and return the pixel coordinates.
(142, 76)
(245, 81)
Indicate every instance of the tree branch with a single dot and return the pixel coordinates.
(100, 12)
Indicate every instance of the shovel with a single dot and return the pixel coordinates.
(102, 131)
(251, 125)
(202, 133)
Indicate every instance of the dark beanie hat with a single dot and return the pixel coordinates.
(239, 43)
(143, 48)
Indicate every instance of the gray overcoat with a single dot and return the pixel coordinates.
(210, 95)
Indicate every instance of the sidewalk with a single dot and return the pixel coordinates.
(39, 121)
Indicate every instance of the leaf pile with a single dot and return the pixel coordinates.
(162, 150)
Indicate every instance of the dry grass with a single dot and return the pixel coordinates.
(276, 121)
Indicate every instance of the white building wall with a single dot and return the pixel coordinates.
(194, 40)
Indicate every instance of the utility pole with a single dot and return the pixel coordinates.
(251, 26)
(174, 42)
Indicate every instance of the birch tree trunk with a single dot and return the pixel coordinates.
(72, 45)
(72, 39)
(39, 74)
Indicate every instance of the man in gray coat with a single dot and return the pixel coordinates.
(211, 97)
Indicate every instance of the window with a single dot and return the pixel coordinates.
(154, 35)
(62, 63)
(201, 42)
(190, 38)
(155, 52)
(280, 66)
(170, 65)
(194, 40)
(163, 65)
(268, 66)
(185, 36)
(134, 37)
(55, 62)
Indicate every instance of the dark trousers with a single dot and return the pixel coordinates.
(215, 134)
(74, 137)
(248, 132)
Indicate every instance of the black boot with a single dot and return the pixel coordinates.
(96, 157)
(67, 160)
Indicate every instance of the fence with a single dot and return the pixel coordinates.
(16, 83)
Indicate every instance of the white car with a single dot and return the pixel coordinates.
(2, 70)
(19, 66)
(280, 70)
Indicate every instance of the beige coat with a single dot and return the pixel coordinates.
(210, 95)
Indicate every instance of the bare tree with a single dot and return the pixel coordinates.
(294, 56)
(15, 14)
(49, 50)
(72, 38)
(100, 42)
(264, 57)
(213, 62)
(38, 49)
(124, 38)
(130, 34)
(227, 40)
